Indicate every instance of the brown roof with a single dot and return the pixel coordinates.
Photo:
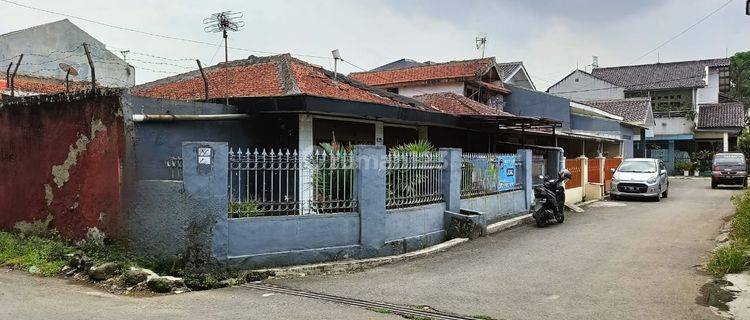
(721, 115)
(456, 104)
(632, 110)
(670, 75)
(272, 76)
(464, 69)
(40, 85)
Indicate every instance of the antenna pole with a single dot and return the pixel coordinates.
(7, 75)
(13, 77)
(91, 65)
(205, 82)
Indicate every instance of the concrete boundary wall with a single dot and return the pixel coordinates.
(196, 209)
(497, 207)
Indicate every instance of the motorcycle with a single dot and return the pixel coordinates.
(549, 200)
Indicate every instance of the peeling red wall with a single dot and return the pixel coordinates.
(83, 137)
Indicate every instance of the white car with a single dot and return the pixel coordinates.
(640, 177)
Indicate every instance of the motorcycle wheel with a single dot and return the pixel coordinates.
(541, 222)
(560, 218)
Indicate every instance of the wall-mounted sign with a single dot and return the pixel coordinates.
(506, 179)
(204, 156)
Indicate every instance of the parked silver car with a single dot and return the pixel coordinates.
(640, 177)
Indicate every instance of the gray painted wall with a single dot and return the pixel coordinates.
(579, 122)
(250, 236)
(415, 228)
(184, 221)
(157, 141)
(45, 46)
(525, 102)
(498, 206)
(188, 221)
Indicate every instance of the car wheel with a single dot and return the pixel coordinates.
(744, 183)
(713, 185)
(665, 194)
(658, 196)
(613, 197)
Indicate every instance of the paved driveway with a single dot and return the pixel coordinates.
(636, 261)
(630, 262)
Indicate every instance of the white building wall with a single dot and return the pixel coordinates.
(410, 91)
(582, 86)
(670, 126)
(709, 93)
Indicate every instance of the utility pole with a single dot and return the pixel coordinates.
(91, 65)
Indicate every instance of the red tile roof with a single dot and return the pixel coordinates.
(452, 103)
(40, 85)
(272, 76)
(465, 69)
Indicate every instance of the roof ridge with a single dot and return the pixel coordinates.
(492, 59)
(287, 78)
(659, 63)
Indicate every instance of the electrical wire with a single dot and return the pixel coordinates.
(152, 34)
(679, 33)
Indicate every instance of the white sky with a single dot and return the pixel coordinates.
(551, 37)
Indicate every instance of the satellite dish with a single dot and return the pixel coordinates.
(68, 69)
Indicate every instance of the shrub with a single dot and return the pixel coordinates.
(683, 165)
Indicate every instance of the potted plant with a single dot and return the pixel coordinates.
(684, 166)
(701, 161)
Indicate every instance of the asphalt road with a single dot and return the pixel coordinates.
(636, 261)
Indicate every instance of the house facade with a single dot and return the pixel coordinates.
(45, 48)
(507, 87)
(686, 98)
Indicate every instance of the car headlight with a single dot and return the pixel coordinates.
(651, 180)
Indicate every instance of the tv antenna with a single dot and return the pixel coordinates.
(481, 42)
(69, 71)
(223, 22)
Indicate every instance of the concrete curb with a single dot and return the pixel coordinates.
(356, 265)
(510, 223)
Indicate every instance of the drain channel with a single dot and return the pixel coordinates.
(394, 308)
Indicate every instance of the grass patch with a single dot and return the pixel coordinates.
(49, 253)
(730, 259)
(734, 257)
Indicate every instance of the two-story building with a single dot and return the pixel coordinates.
(689, 110)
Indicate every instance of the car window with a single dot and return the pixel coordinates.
(729, 159)
(637, 166)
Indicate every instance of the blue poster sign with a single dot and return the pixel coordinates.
(506, 179)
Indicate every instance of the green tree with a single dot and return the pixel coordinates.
(740, 77)
(743, 143)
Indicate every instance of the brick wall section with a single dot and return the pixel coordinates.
(61, 159)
